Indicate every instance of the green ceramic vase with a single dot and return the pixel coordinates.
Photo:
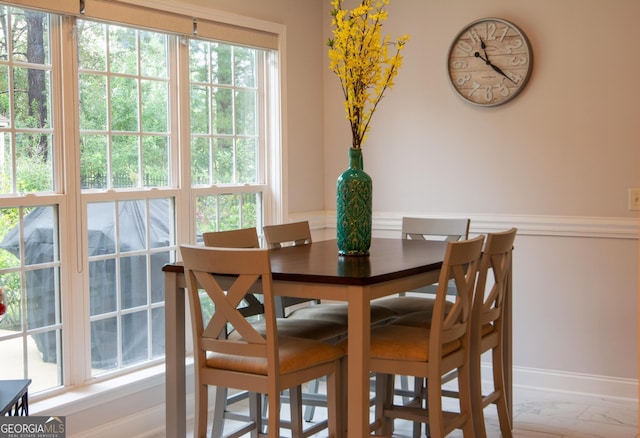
(354, 208)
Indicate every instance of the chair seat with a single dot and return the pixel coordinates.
(294, 354)
(420, 319)
(400, 343)
(317, 330)
(339, 313)
(403, 305)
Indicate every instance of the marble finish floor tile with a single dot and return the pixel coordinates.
(544, 414)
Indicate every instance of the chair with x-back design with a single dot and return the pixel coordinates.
(230, 352)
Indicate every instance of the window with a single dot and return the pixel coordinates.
(31, 330)
(83, 259)
(226, 171)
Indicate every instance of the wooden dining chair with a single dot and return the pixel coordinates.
(299, 233)
(317, 330)
(487, 319)
(431, 351)
(418, 228)
(230, 353)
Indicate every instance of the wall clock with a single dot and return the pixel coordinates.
(489, 62)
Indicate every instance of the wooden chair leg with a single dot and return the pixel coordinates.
(334, 407)
(295, 406)
(385, 387)
(434, 403)
(255, 414)
(218, 412)
(313, 388)
(501, 402)
(464, 388)
(477, 405)
(201, 409)
(273, 418)
(418, 390)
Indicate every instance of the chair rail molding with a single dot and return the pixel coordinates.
(535, 225)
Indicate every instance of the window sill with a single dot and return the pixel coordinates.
(99, 393)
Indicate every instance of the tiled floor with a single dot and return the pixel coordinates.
(540, 414)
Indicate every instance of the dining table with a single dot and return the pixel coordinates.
(317, 271)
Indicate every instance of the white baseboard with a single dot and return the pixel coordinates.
(145, 424)
(573, 383)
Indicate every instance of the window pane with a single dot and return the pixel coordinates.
(104, 345)
(132, 226)
(26, 149)
(251, 210)
(124, 104)
(206, 214)
(224, 161)
(133, 281)
(92, 45)
(34, 164)
(221, 64)
(32, 95)
(153, 55)
(246, 107)
(93, 103)
(102, 286)
(125, 170)
(244, 67)
(155, 153)
(199, 110)
(222, 108)
(200, 161)
(155, 106)
(123, 50)
(127, 286)
(157, 332)
(31, 329)
(135, 331)
(33, 45)
(132, 111)
(93, 161)
(198, 61)
(247, 159)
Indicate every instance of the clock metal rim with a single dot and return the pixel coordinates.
(529, 68)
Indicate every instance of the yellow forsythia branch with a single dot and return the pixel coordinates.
(359, 56)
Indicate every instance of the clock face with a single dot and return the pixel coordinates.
(489, 62)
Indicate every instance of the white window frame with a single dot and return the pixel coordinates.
(68, 195)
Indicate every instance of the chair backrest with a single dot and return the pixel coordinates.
(495, 267)
(241, 238)
(460, 264)
(294, 233)
(449, 229)
(290, 234)
(209, 269)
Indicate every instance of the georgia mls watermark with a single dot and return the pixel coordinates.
(32, 427)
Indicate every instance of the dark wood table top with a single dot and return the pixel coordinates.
(388, 259)
(319, 262)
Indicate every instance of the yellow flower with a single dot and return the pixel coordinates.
(359, 56)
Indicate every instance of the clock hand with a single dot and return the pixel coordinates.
(483, 46)
(494, 67)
